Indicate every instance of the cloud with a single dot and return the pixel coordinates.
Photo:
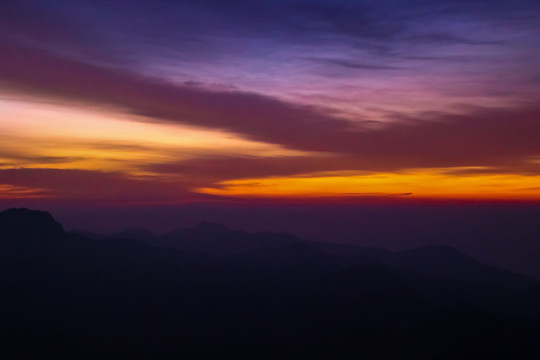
(482, 136)
(21, 192)
(211, 170)
(36, 72)
(207, 30)
(505, 139)
(35, 63)
(352, 65)
(95, 186)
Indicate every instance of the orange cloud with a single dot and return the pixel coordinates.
(22, 192)
(416, 184)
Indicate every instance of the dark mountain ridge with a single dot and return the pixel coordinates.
(186, 291)
(434, 261)
(27, 225)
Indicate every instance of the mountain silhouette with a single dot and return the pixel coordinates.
(27, 224)
(436, 261)
(211, 238)
(441, 261)
(134, 234)
(29, 229)
(210, 291)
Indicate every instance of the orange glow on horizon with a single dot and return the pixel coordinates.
(414, 184)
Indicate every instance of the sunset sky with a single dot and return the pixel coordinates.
(315, 101)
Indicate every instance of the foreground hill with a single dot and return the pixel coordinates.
(210, 291)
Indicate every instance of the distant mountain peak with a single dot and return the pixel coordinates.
(25, 212)
(25, 225)
(211, 227)
(23, 216)
(437, 249)
(134, 233)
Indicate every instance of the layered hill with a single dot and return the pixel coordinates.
(212, 291)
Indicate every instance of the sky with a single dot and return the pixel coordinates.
(392, 123)
(175, 102)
